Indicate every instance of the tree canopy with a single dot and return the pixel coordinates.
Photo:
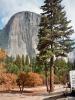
(54, 33)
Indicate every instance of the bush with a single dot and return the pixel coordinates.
(8, 80)
(21, 81)
(1, 80)
(34, 79)
(28, 80)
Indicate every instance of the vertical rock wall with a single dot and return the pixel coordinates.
(21, 34)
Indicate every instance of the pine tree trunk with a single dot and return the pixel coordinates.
(51, 75)
(52, 79)
(46, 77)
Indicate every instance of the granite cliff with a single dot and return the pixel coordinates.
(19, 36)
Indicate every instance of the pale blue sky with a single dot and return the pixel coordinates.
(10, 7)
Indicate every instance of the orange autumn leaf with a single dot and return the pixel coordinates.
(2, 54)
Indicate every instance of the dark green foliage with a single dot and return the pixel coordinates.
(70, 65)
(38, 69)
(17, 65)
(54, 34)
(23, 60)
(25, 64)
(18, 61)
(37, 66)
(12, 68)
(26, 68)
(61, 67)
(27, 60)
(9, 59)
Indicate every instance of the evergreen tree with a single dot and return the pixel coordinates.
(61, 69)
(9, 60)
(27, 62)
(54, 34)
(23, 60)
(18, 61)
(12, 68)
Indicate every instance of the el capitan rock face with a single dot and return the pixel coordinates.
(20, 34)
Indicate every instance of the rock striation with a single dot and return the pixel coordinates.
(19, 36)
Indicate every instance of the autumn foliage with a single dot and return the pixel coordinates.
(2, 54)
(28, 80)
(34, 79)
(7, 81)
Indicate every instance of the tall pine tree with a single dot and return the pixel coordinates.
(54, 34)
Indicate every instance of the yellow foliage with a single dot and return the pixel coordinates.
(7, 81)
(2, 54)
(29, 79)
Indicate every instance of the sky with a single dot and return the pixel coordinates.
(10, 7)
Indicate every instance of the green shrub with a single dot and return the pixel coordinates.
(12, 68)
(26, 68)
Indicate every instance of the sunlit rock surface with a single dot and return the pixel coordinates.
(19, 36)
